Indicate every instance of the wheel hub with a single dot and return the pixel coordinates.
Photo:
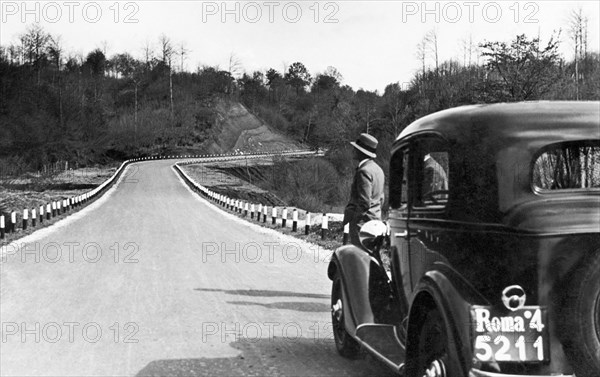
(336, 310)
(436, 369)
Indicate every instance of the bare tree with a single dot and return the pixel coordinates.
(109, 69)
(35, 43)
(234, 69)
(235, 65)
(468, 49)
(431, 40)
(148, 52)
(167, 52)
(422, 55)
(166, 49)
(136, 77)
(182, 52)
(104, 47)
(579, 35)
(55, 52)
(333, 72)
(14, 54)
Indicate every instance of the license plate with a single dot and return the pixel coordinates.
(507, 336)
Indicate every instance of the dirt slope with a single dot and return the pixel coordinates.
(238, 129)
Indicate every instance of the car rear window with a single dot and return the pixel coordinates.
(568, 166)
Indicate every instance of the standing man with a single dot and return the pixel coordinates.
(366, 195)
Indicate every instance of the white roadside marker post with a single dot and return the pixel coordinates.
(283, 217)
(307, 224)
(25, 218)
(13, 222)
(324, 226)
(274, 216)
(295, 220)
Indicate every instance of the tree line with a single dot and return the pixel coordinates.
(92, 108)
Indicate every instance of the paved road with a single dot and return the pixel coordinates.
(152, 281)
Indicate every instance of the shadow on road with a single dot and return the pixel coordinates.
(263, 293)
(271, 357)
(298, 306)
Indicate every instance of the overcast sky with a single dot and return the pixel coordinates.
(371, 43)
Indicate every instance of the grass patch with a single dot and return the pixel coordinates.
(31, 191)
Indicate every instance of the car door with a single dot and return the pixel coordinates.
(398, 221)
(429, 193)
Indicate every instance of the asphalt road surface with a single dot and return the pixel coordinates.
(152, 281)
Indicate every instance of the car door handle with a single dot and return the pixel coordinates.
(401, 234)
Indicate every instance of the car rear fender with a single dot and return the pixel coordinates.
(353, 265)
(442, 290)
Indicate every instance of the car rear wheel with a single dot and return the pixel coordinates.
(581, 319)
(436, 355)
(344, 343)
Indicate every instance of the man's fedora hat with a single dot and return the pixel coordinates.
(367, 144)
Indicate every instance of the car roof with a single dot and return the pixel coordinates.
(540, 122)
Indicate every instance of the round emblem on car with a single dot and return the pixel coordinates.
(514, 297)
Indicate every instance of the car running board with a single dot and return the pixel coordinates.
(383, 342)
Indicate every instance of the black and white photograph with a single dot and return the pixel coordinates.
(299, 188)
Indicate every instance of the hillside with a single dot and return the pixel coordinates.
(236, 129)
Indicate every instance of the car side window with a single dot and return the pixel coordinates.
(399, 179)
(568, 166)
(431, 174)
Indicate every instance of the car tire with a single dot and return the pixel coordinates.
(581, 319)
(344, 343)
(436, 355)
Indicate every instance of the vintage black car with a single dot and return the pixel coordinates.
(494, 233)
